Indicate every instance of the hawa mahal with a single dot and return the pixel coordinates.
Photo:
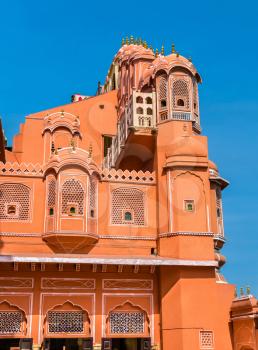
(111, 220)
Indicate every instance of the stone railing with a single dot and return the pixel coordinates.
(128, 176)
(22, 169)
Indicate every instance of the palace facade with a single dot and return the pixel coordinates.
(112, 220)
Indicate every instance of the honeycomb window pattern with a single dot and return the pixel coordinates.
(10, 322)
(162, 89)
(180, 90)
(128, 199)
(93, 192)
(15, 193)
(127, 323)
(206, 340)
(65, 322)
(51, 201)
(72, 192)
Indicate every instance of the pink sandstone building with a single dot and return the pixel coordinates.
(111, 221)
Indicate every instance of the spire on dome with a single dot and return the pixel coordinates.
(173, 48)
(162, 50)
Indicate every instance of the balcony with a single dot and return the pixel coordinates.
(139, 118)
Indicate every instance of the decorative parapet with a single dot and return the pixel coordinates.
(119, 175)
(22, 169)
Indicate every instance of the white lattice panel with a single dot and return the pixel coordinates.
(206, 340)
(18, 194)
(180, 89)
(128, 199)
(127, 323)
(65, 322)
(72, 192)
(10, 322)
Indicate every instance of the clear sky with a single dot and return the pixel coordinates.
(53, 48)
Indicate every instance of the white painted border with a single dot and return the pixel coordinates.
(42, 295)
(150, 295)
(17, 278)
(67, 279)
(124, 288)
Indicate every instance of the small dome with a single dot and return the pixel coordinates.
(187, 146)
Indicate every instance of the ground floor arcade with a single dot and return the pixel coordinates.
(61, 306)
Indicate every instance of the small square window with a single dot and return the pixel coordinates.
(12, 210)
(51, 211)
(127, 216)
(189, 205)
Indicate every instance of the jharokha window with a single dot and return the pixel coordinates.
(14, 202)
(72, 197)
(128, 206)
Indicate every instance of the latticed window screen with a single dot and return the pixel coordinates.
(206, 340)
(163, 91)
(10, 322)
(93, 192)
(51, 200)
(127, 323)
(180, 90)
(65, 322)
(18, 194)
(72, 192)
(127, 199)
(195, 97)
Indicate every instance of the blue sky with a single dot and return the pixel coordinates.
(52, 49)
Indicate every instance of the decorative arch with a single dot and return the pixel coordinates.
(13, 320)
(127, 319)
(67, 320)
(64, 120)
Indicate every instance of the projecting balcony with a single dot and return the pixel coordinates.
(138, 119)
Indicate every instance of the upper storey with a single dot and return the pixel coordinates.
(152, 89)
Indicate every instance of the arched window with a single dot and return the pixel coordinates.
(180, 94)
(139, 110)
(139, 99)
(148, 100)
(149, 111)
(180, 102)
(128, 200)
(14, 202)
(72, 197)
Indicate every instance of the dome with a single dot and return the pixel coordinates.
(187, 146)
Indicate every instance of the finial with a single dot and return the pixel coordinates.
(140, 41)
(145, 44)
(131, 39)
(241, 292)
(90, 150)
(151, 48)
(162, 50)
(190, 59)
(177, 54)
(62, 113)
(56, 151)
(235, 294)
(173, 48)
(156, 53)
(135, 41)
(127, 41)
(248, 290)
(123, 42)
